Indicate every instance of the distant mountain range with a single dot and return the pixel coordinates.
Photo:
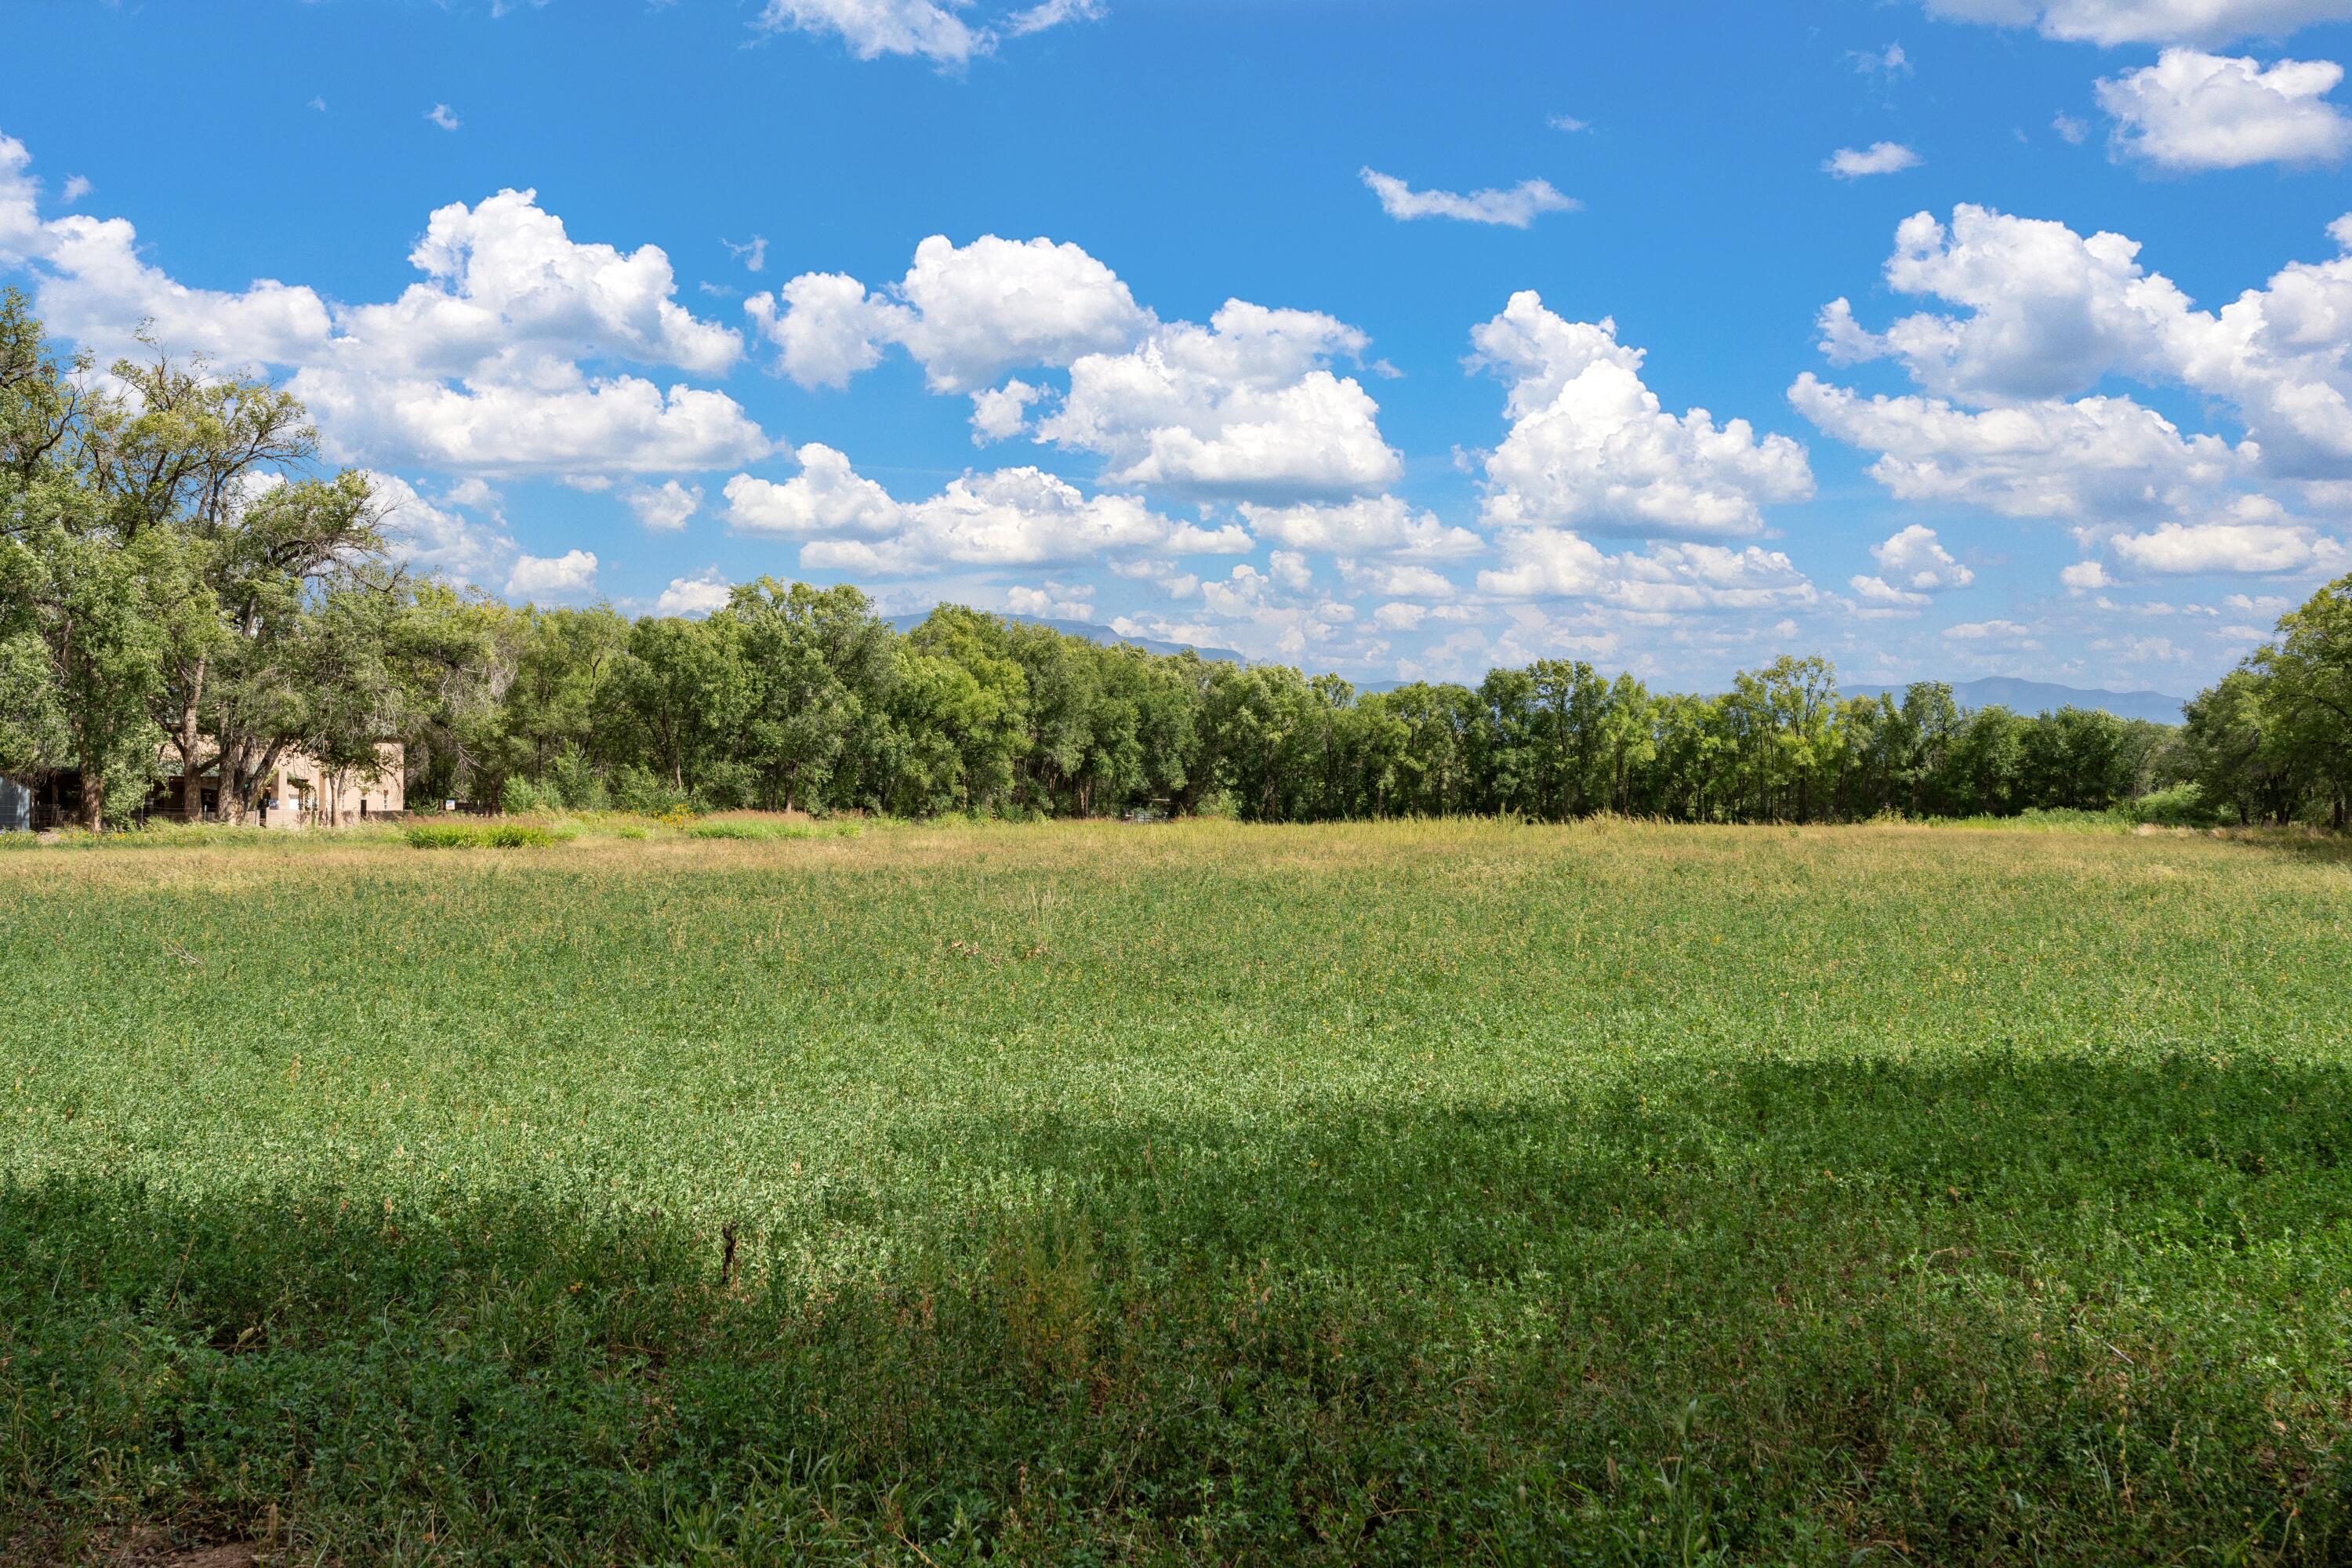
(1091, 633)
(2042, 697)
(1993, 691)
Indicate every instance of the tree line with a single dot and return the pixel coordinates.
(179, 584)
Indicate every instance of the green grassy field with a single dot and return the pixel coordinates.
(1198, 1193)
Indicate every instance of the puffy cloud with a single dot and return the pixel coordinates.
(1878, 158)
(1589, 444)
(1010, 516)
(1383, 524)
(1054, 601)
(2251, 544)
(825, 500)
(696, 596)
(2071, 130)
(2196, 111)
(967, 314)
(2048, 311)
(1002, 413)
(507, 282)
(2111, 22)
(2045, 314)
(1551, 563)
(565, 577)
(1913, 564)
(621, 423)
(440, 114)
(2098, 457)
(94, 289)
(1915, 558)
(480, 367)
(826, 327)
(1516, 207)
(666, 510)
(1016, 517)
(1878, 596)
(1245, 405)
(2085, 577)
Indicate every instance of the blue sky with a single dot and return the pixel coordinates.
(1402, 339)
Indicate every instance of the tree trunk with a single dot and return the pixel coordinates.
(191, 796)
(93, 802)
(228, 762)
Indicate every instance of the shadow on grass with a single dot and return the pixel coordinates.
(1987, 1311)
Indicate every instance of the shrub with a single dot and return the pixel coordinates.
(575, 783)
(478, 835)
(753, 829)
(646, 793)
(2182, 805)
(520, 797)
(750, 831)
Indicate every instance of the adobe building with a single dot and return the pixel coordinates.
(302, 793)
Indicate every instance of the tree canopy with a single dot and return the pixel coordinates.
(185, 591)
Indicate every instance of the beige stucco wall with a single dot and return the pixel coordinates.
(300, 792)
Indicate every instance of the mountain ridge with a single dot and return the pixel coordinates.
(2043, 696)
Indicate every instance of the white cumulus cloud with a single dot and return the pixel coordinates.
(1245, 406)
(1009, 517)
(1552, 563)
(666, 508)
(695, 596)
(1912, 565)
(966, 314)
(1001, 413)
(1385, 524)
(2193, 111)
(825, 500)
(566, 576)
(504, 360)
(1590, 446)
(2014, 413)
(1878, 158)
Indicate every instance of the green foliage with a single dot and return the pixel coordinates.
(2180, 805)
(458, 835)
(1606, 1193)
(521, 797)
(174, 578)
(759, 830)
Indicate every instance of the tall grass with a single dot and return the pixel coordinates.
(1434, 1192)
